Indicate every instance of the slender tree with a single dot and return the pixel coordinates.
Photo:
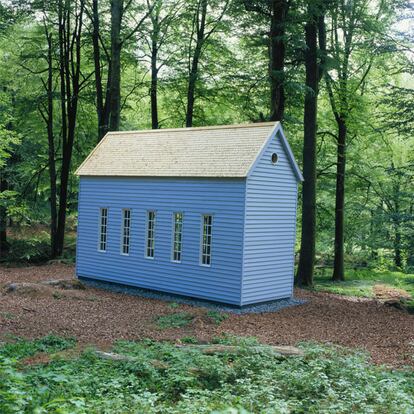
(203, 26)
(46, 111)
(165, 14)
(102, 95)
(126, 20)
(315, 24)
(354, 30)
(276, 13)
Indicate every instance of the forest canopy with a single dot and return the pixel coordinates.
(338, 74)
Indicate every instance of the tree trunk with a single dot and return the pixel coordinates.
(338, 271)
(102, 113)
(117, 7)
(69, 72)
(397, 245)
(410, 247)
(397, 223)
(4, 245)
(277, 59)
(193, 75)
(154, 85)
(307, 248)
(51, 151)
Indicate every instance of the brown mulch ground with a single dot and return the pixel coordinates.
(100, 317)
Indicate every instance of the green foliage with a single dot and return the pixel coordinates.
(21, 348)
(174, 320)
(35, 249)
(217, 317)
(360, 282)
(30, 250)
(327, 379)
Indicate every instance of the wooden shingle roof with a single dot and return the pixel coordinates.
(220, 151)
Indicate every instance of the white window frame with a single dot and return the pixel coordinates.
(100, 227)
(202, 240)
(123, 227)
(173, 234)
(147, 239)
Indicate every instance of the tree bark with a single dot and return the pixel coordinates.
(4, 245)
(307, 248)
(338, 271)
(279, 9)
(154, 84)
(101, 103)
(193, 75)
(397, 223)
(69, 74)
(117, 7)
(51, 150)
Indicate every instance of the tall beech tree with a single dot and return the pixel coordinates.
(354, 32)
(126, 21)
(206, 18)
(276, 13)
(102, 94)
(63, 27)
(70, 26)
(158, 45)
(314, 28)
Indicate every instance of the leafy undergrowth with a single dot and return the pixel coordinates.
(35, 248)
(361, 283)
(161, 378)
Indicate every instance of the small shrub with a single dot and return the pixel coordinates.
(217, 317)
(32, 250)
(189, 340)
(174, 320)
(22, 348)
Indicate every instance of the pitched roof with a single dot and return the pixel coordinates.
(220, 151)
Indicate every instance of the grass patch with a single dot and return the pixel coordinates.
(174, 320)
(327, 379)
(361, 282)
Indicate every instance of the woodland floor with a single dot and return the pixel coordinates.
(100, 317)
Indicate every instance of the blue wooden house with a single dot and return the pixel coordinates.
(202, 212)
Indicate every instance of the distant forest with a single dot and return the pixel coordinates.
(337, 73)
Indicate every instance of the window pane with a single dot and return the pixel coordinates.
(150, 234)
(206, 240)
(103, 229)
(126, 231)
(177, 237)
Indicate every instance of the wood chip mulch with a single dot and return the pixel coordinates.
(100, 317)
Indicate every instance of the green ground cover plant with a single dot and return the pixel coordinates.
(160, 378)
(360, 282)
(174, 320)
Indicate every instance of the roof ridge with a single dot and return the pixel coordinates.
(184, 129)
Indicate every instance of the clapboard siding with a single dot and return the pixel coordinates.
(270, 221)
(223, 198)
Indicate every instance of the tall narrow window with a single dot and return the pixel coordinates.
(103, 223)
(149, 253)
(206, 240)
(177, 237)
(126, 231)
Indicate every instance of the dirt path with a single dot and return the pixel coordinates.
(98, 316)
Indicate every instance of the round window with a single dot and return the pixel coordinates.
(274, 158)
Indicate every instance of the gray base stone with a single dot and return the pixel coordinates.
(271, 306)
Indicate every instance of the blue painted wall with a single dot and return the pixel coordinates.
(222, 198)
(270, 228)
